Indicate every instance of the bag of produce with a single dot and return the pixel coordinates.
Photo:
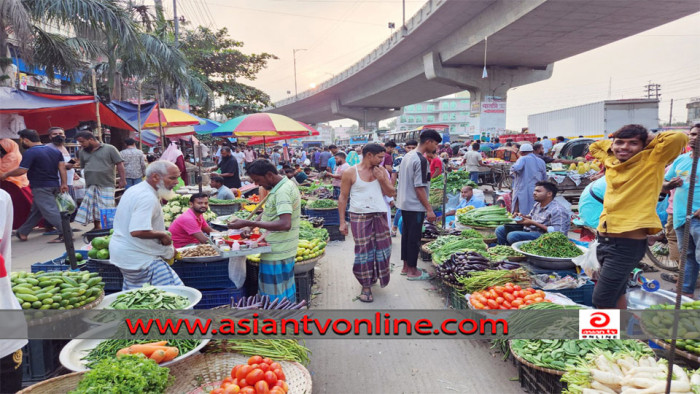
(589, 261)
(237, 270)
(65, 203)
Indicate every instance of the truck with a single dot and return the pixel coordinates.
(595, 120)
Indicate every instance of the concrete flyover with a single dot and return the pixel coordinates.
(441, 51)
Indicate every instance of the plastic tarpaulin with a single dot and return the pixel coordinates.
(44, 110)
(129, 111)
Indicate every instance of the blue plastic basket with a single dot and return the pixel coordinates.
(59, 264)
(107, 217)
(330, 216)
(582, 295)
(40, 360)
(110, 274)
(213, 298)
(204, 276)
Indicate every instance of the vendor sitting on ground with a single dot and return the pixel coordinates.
(191, 227)
(222, 191)
(467, 198)
(303, 176)
(547, 216)
(289, 172)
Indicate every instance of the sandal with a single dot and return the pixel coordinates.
(58, 240)
(19, 236)
(423, 276)
(366, 296)
(673, 278)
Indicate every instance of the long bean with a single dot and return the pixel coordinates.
(276, 349)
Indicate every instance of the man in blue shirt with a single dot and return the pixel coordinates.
(331, 161)
(323, 159)
(467, 199)
(42, 164)
(677, 173)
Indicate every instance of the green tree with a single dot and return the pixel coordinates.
(216, 60)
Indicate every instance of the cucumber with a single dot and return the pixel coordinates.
(55, 290)
(70, 281)
(65, 285)
(35, 288)
(26, 305)
(64, 302)
(43, 296)
(55, 305)
(93, 281)
(27, 297)
(22, 290)
(57, 297)
(20, 280)
(91, 299)
(44, 307)
(47, 301)
(36, 304)
(32, 281)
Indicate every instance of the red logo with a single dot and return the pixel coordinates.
(599, 319)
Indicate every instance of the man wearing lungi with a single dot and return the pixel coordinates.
(98, 161)
(366, 184)
(140, 245)
(281, 220)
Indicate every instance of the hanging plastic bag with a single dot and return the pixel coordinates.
(589, 261)
(65, 203)
(237, 270)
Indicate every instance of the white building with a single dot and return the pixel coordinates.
(454, 111)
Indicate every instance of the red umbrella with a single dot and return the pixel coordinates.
(287, 136)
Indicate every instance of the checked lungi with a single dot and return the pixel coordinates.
(372, 248)
(158, 273)
(276, 279)
(96, 198)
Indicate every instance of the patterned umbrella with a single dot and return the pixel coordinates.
(263, 140)
(170, 118)
(260, 125)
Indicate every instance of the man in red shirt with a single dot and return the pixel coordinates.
(435, 164)
(190, 227)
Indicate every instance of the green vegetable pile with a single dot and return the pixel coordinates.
(441, 241)
(479, 281)
(324, 203)
(242, 214)
(108, 349)
(485, 217)
(308, 232)
(56, 290)
(149, 297)
(276, 349)
(558, 353)
(661, 324)
(216, 201)
(303, 203)
(471, 233)
(127, 374)
(455, 181)
(444, 252)
(554, 244)
(501, 252)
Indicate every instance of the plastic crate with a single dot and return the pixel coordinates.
(334, 233)
(251, 278)
(204, 276)
(213, 298)
(303, 283)
(582, 295)
(59, 264)
(535, 381)
(330, 216)
(40, 360)
(110, 274)
(107, 217)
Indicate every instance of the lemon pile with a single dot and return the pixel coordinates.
(464, 210)
(309, 249)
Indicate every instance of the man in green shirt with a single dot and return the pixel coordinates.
(281, 219)
(98, 162)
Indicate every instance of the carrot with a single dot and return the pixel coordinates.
(171, 353)
(158, 356)
(146, 349)
(123, 352)
(161, 343)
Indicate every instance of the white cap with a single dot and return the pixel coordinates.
(526, 148)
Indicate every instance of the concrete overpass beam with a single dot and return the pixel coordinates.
(491, 93)
(362, 115)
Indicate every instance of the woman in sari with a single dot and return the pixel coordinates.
(17, 186)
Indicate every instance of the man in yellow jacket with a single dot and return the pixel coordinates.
(634, 168)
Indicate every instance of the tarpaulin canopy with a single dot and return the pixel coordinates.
(208, 126)
(44, 110)
(129, 111)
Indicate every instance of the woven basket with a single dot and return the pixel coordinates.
(66, 313)
(490, 240)
(197, 373)
(533, 366)
(60, 384)
(682, 353)
(307, 265)
(517, 259)
(424, 241)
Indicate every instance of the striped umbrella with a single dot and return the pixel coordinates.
(169, 118)
(261, 125)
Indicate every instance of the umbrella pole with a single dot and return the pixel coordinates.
(199, 171)
(160, 127)
(97, 105)
(138, 115)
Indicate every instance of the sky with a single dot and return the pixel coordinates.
(334, 34)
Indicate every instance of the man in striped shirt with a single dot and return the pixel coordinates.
(281, 219)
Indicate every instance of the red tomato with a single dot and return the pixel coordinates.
(500, 300)
(539, 299)
(480, 298)
(517, 294)
(227, 380)
(262, 387)
(270, 378)
(540, 293)
(274, 366)
(529, 297)
(233, 371)
(528, 302)
(235, 381)
(517, 288)
(280, 374)
(264, 367)
(507, 304)
(509, 297)
(242, 372)
(217, 391)
(477, 304)
(516, 303)
(283, 385)
(255, 366)
(267, 360)
(510, 284)
(254, 376)
(277, 390)
(243, 383)
(493, 294)
(232, 389)
(508, 289)
(503, 307)
(492, 304)
(255, 360)
(248, 390)
(499, 289)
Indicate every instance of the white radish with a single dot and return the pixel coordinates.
(660, 387)
(608, 378)
(680, 374)
(641, 382)
(644, 370)
(695, 379)
(602, 363)
(600, 386)
(593, 391)
(624, 365)
(630, 390)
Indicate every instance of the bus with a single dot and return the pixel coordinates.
(400, 137)
(358, 139)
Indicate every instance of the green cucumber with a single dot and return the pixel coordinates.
(27, 297)
(43, 296)
(22, 290)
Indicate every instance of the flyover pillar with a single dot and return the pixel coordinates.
(488, 95)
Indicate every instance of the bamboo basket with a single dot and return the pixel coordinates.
(533, 366)
(65, 314)
(58, 385)
(681, 353)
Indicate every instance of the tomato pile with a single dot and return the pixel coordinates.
(259, 376)
(509, 296)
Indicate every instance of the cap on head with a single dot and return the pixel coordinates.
(526, 148)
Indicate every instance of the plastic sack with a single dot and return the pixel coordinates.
(237, 270)
(65, 203)
(589, 261)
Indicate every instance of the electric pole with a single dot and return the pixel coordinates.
(653, 90)
(670, 114)
(176, 22)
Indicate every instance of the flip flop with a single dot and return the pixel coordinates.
(52, 232)
(20, 237)
(423, 276)
(673, 278)
(419, 269)
(56, 241)
(367, 295)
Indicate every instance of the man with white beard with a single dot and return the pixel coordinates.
(140, 245)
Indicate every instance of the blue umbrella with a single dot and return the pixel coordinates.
(207, 127)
